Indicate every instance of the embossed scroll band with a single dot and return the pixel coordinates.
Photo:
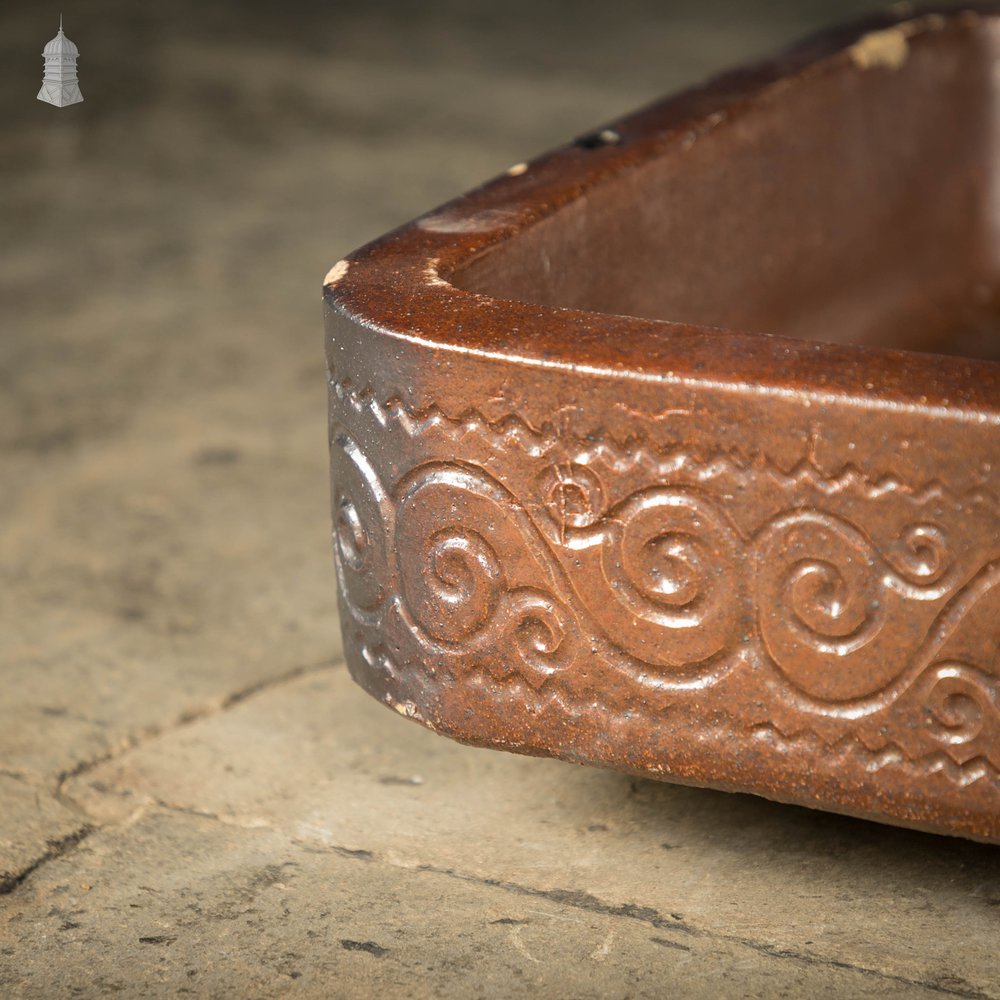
(661, 584)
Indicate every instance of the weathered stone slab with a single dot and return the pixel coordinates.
(329, 769)
(186, 905)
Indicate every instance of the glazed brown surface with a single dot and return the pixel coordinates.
(640, 457)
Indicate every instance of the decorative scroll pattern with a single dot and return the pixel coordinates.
(961, 714)
(643, 561)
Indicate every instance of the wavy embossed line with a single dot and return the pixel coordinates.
(619, 456)
(624, 456)
(546, 699)
(947, 623)
(807, 472)
(799, 742)
(511, 429)
(873, 761)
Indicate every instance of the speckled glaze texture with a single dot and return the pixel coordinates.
(570, 522)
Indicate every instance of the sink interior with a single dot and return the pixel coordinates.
(856, 202)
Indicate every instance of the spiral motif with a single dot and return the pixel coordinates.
(821, 598)
(927, 551)
(451, 577)
(461, 590)
(921, 563)
(362, 525)
(660, 558)
(962, 706)
(536, 628)
(818, 574)
(459, 583)
(672, 564)
(831, 606)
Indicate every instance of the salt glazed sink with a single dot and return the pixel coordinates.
(677, 450)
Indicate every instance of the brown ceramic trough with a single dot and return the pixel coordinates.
(677, 450)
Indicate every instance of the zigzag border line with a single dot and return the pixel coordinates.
(889, 755)
(623, 456)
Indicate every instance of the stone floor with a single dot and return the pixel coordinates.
(194, 799)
